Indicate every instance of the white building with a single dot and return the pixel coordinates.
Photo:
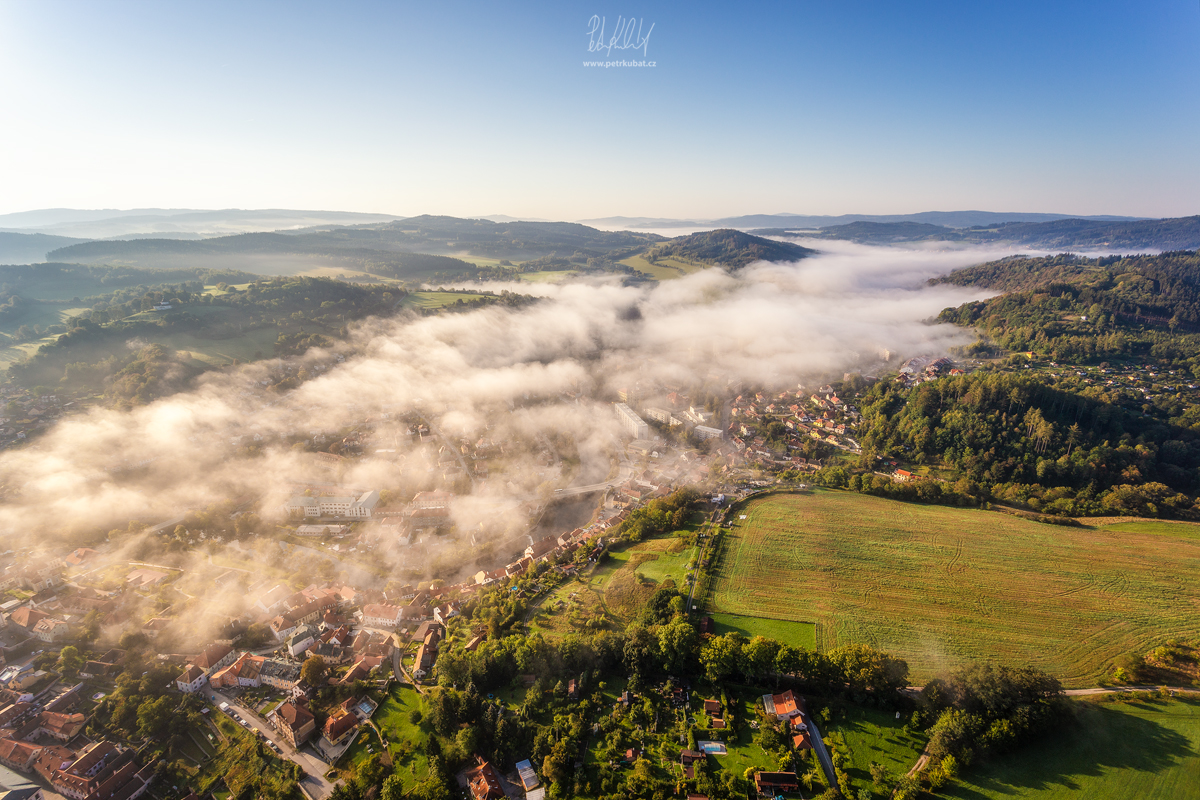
(704, 432)
(192, 680)
(382, 616)
(302, 639)
(354, 507)
(634, 425)
(659, 415)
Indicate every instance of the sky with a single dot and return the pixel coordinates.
(471, 109)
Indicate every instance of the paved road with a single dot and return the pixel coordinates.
(315, 785)
(822, 753)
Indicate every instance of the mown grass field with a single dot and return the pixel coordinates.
(940, 586)
(437, 299)
(547, 276)
(665, 269)
(797, 634)
(1115, 751)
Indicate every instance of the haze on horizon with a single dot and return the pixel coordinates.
(765, 108)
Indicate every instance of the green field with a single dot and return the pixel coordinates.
(1117, 751)
(548, 276)
(620, 586)
(665, 269)
(797, 634)
(939, 586)
(438, 299)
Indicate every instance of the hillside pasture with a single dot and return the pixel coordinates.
(438, 299)
(665, 268)
(941, 586)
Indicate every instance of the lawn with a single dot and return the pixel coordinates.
(392, 719)
(797, 634)
(872, 735)
(939, 586)
(1115, 751)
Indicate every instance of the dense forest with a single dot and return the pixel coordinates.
(1059, 450)
(93, 353)
(727, 247)
(1082, 310)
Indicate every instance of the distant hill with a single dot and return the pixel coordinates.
(773, 222)
(390, 248)
(729, 248)
(110, 223)
(1062, 234)
(30, 248)
(888, 232)
(1182, 233)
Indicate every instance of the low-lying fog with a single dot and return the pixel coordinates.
(767, 324)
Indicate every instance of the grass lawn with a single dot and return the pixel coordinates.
(1115, 751)
(742, 752)
(438, 299)
(392, 719)
(797, 634)
(938, 586)
(873, 735)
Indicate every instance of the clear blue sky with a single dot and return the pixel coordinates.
(822, 108)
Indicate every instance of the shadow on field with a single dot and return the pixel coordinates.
(1101, 739)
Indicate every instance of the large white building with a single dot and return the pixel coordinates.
(354, 507)
(634, 425)
(705, 432)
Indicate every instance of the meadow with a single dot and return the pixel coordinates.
(438, 299)
(620, 586)
(797, 634)
(1112, 751)
(940, 586)
(665, 269)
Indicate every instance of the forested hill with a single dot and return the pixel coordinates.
(268, 253)
(1070, 450)
(29, 248)
(395, 246)
(1061, 234)
(1082, 310)
(729, 248)
(884, 232)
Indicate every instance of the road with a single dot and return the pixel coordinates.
(1119, 689)
(315, 785)
(822, 753)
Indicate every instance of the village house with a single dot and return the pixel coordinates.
(382, 616)
(782, 706)
(483, 782)
(294, 722)
(775, 783)
(191, 680)
(215, 657)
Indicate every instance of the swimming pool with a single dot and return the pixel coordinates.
(712, 748)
